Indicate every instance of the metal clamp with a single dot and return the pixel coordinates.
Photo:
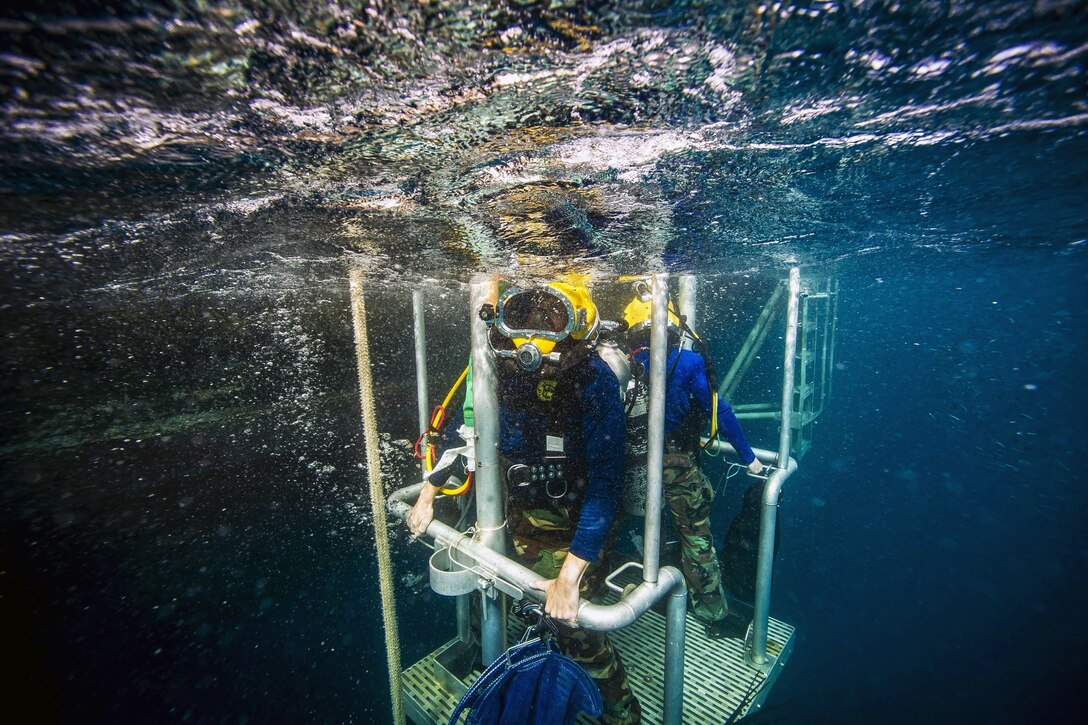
(450, 574)
(510, 590)
(770, 470)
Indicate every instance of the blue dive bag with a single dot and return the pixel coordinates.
(531, 684)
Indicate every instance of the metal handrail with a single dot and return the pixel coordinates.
(504, 574)
(599, 617)
(768, 521)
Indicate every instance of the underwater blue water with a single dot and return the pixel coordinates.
(937, 531)
(186, 532)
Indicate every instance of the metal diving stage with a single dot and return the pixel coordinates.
(679, 674)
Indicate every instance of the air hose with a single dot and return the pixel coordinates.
(377, 493)
(424, 447)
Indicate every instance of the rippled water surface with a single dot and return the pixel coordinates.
(186, 186)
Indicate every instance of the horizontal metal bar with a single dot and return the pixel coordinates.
(769, 458)
(775, 415)
(599, 617)
(755, 407)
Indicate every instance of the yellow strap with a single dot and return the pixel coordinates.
(713, 415)
(455, 491)
(713, 424)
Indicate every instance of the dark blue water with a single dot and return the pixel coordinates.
(186, 533)
(934, 552)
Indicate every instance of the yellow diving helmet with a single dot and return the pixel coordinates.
(536, 320)
(639, 309)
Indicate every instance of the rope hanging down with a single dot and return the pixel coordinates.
(377, 493)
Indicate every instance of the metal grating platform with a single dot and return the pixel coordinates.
(717, 681)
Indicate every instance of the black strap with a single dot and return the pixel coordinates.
(638, 376)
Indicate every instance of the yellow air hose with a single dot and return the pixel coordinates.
(439, 414)
(377, 493)
(458, 490)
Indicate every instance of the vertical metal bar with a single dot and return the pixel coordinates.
(687, 298)
(655, 449)
(768, 521)
(422, 408)
(826, 340)
(464, 618)
(825, 372)
(490, 516)
(834, 324)
(788, 366)
(804, 398)
(675, 623)
(768, 518)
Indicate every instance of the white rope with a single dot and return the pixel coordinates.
(377, 494)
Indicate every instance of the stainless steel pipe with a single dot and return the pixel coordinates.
(655, 449)
(768, 522)
(420, 328)
(768, 518)
(675, 633)
(788, 365)
(686, 303)
(423, 412)
(490, 508)
(768, 457)
(599, 617)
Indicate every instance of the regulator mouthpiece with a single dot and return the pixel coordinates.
(528, 357)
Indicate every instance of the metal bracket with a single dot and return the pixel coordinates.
(616, 587)
(492, 585)
(762, 476)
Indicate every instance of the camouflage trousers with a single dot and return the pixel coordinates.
(542, 532)
(689, 495)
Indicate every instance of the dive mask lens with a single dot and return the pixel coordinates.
(535, 310)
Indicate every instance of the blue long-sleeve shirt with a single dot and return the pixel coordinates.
(686, 385)
(593, 430)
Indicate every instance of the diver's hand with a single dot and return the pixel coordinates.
(561, 593)
(422, 513)
(560, 600)
(755, 467)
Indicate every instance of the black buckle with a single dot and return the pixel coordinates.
(543, 628)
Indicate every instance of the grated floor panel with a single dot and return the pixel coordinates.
(717, 681)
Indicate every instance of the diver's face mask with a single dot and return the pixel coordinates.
(536, 322)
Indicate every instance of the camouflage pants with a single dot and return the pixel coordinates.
(689, 495)
(542, 533)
